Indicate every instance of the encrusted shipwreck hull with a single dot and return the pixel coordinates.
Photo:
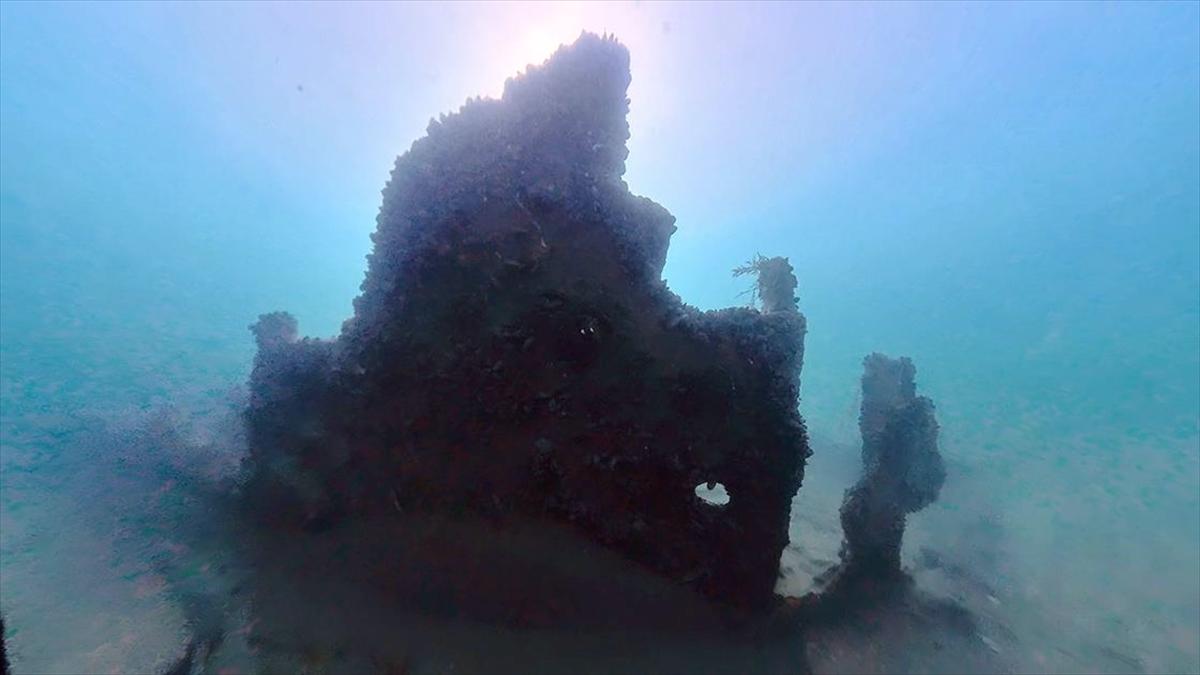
(516, 354)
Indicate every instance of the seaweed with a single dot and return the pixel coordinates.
(774, 285)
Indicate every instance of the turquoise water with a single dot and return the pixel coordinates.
(1008, 194)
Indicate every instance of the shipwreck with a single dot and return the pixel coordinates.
(522, 425)
(516, 353)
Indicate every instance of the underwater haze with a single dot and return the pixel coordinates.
(1006, 193)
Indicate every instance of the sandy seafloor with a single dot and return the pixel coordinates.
(999, 588)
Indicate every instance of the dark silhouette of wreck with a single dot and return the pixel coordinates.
(515, 370)
(902, 473)
(515, 353)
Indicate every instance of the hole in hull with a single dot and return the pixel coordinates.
(713, 494)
